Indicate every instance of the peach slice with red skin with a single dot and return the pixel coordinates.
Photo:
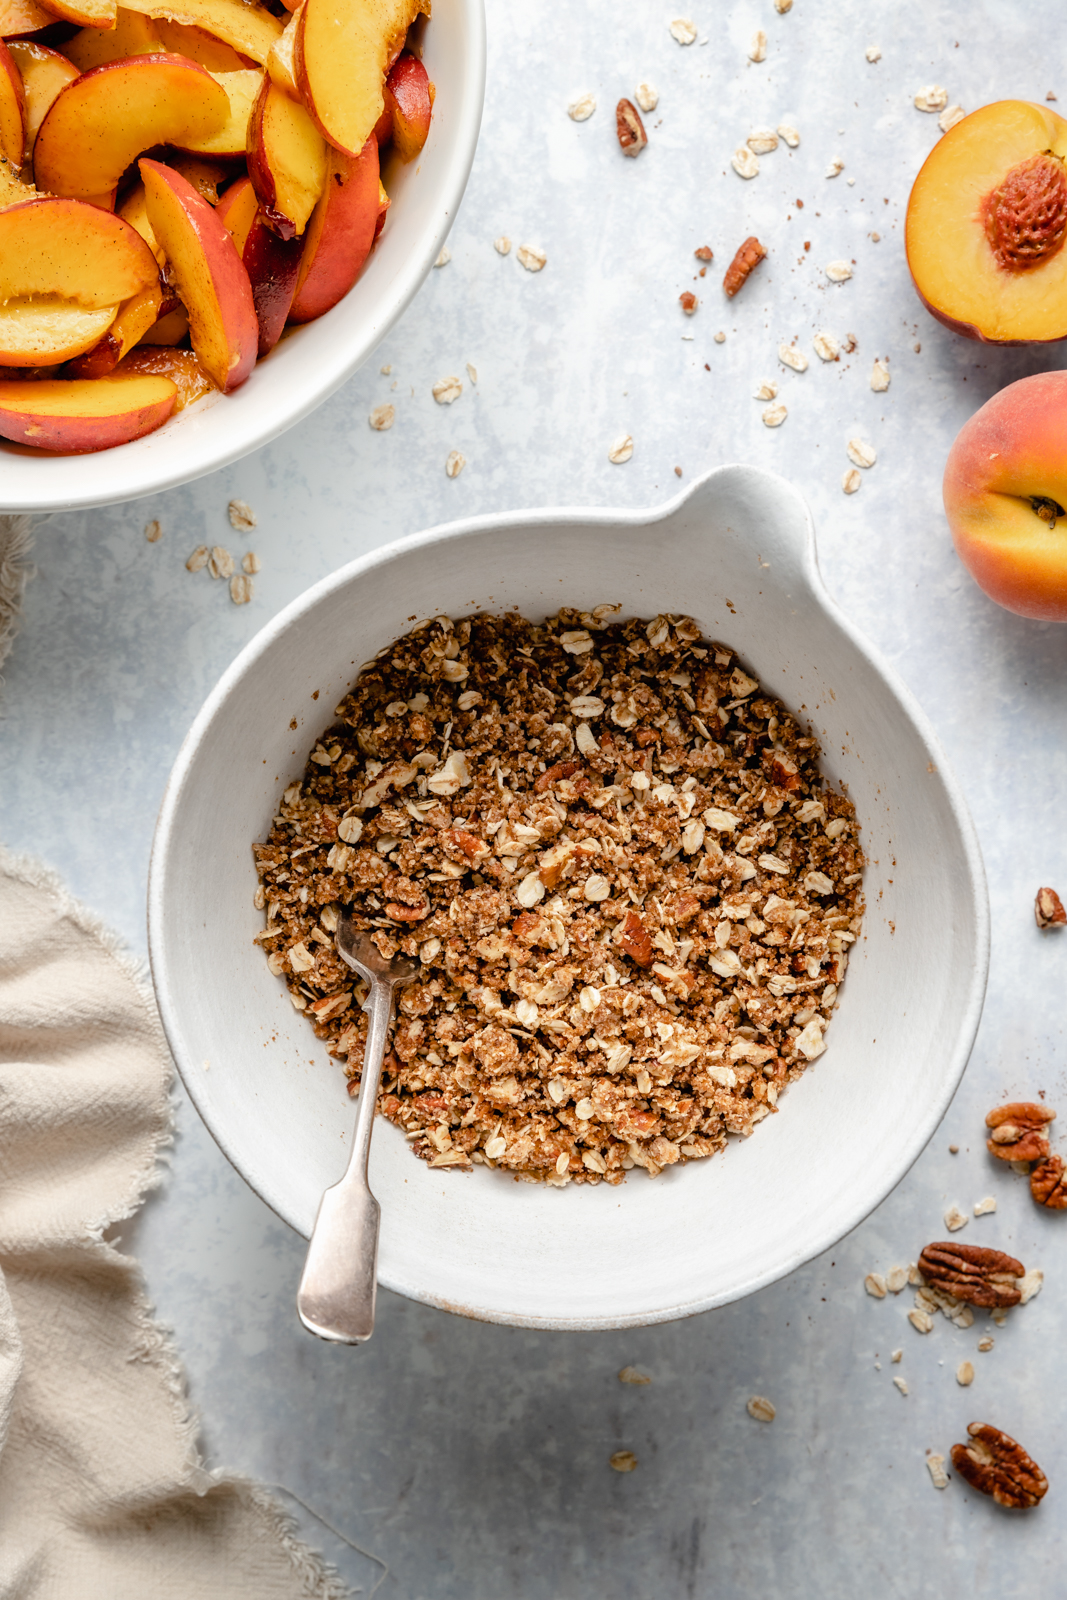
(45, 330)
(12, 121)
(249, 29)
(272, 265)
(78, 415)
(987, 222)
(72, 251)
(1005, 493)
(237, 211)
(409, 101)
(207, 273)
(340, 234)
(286, 160)
(44, 73)
(102, 121)
(343, 50)
(85, 13)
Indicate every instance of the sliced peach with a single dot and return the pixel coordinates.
(48, 330)
(132, 35)
(44, 73)
(987, 223)
(409, 100)
(12, 123)
(133, 321)
(21, 18)
(199, 46)
(180, 366)
(250, 29)
(82, 414)
(204, 175)
(272, 264)
(286, 160)
(72, 251)
(344, 48)
(85, 13)
(171, 329)
(280, 63)
(102, 121)
(13, 192)
(340, 233)
(237, 211)
(232, 138)
(134, 211)
(208, 274)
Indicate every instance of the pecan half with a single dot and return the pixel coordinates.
(635, 940)
(1048, 1186)
(629, 128)
(748, 256)
(1017, 1134)
(1048, 909)
(972, 1272)
(994, 1464)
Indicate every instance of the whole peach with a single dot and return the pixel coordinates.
(1005, 494)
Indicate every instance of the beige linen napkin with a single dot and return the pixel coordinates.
(102, 1492)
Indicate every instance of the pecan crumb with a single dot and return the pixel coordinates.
(629, 128)
(994, 1464)
(1048, 909)
(748, 257)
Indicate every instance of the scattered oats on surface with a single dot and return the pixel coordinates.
(622, 1461)
(447, 390)
(757, 50)
(790, 356)
(873, 53)
(531, 257)
(860, 453)
(444, 258)
(964, 1374)
(789, 134)
(949, 117)
(240, 588)
(646, 96)
(826, 347)
(582, 109)
(621, 450)
(982, 1208)
(761, 141)
(836, 167)
(720, 337)
(901, 1384)
(955, 1219)
(744, 162)
(472, 373)
(250, 563)
(242, 517)
(897, 1356)
(838, 271)
(454, 464)
(683, 31)
(774, 416)
(1030, 1284)
(502, 245)
(935, 1465)
(896, 1279)
(931, 98)
(921, 1321)
(880, 377)
(986, 1343)
(875, 1285)
(631, 1375)
(761, 1408)
(220, 563)
(768, 390)
(382, 417)
(153, 532)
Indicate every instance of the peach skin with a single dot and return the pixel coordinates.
(77, 415)
(1005, 493)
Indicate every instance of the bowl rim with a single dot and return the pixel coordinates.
(336, 363)
(598, 517)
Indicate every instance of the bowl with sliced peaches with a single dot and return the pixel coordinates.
(211, 212)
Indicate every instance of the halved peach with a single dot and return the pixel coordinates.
(132, 35)
(237, 211)
(199, 46)
(231, 139)
(47, 330)
(987, 223)
(344, 48)
(409, 101)
(19, 19)
(208, 274)
(44, 73)
(102, 121)
(340, 233)
(12, 124)
(286, 160)
(272, 264)
(132, 322)
(75, 252)
(180, 366)
(77, 415)
(250, 29)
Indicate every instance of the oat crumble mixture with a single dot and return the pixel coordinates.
(630, 889)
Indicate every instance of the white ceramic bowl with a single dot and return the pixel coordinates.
(312, 361)
(737, 552)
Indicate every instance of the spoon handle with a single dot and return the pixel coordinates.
(340, 1279)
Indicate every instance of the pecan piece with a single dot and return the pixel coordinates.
(703, 253)
(635, 941)
(688, 302)
(748, 256)
(629, 128)
(1048, 909)
(1047, 1184)
(972, 1272)
(1017, 1131)
(562, 769)
(994, 1464)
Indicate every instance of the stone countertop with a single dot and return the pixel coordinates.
(472, 1459)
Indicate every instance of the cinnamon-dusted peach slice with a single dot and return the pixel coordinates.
(77, 415)
(132, 322)
(46, 330)
(340, 233)
(171, 329)
(102, 121)
(19, 19)
(200, 46)
(12, 126)
(286, 160)
(237, 211)
(44, 73)
(85, 13)
(409, 101)
(132, 35)
(208, 274)
(248, 28)
(180, 366)
(280, 63)
(344, 48)
(272, 264)
(74, 252)
(231, 139)
(987, 223)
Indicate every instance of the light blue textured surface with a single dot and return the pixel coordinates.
(473, 1459)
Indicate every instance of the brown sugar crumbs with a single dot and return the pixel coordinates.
(630, 889)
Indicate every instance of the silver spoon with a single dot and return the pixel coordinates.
(340, 1280)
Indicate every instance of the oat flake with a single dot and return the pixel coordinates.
(965, 1374)
(880, 377)
(153, 532)
(789, 134)
(985, 1343)
(582, 109)
(472, 373)
(240, 588)
(220, 563)
(646, 96)
(768, 390)
(444, 258)
(744, 162)
(774, 416)
(1030, 1284)
(720, 337)
(873, 53)
(621, 450)
(897, 1356)
(931, 98)
(782, 6)
(532, 258)
(875, 1285)
(683, 31)
(935, 1466)
(826, 347)
(838, 271)
(242, 517)
(199, 559)
(502, 245)
(850, 481)
(761, 141)
(623, 1461)
(757, 50)
(790, 356)
(955, 1219)
(382, 418)
(454, 464)
(631, 1375)
(761, 1408)
(921, 1321)
(860, 453)
(447, 390)
(901, 1384)
(896, 1279)
(250, 562)
(836, 167)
